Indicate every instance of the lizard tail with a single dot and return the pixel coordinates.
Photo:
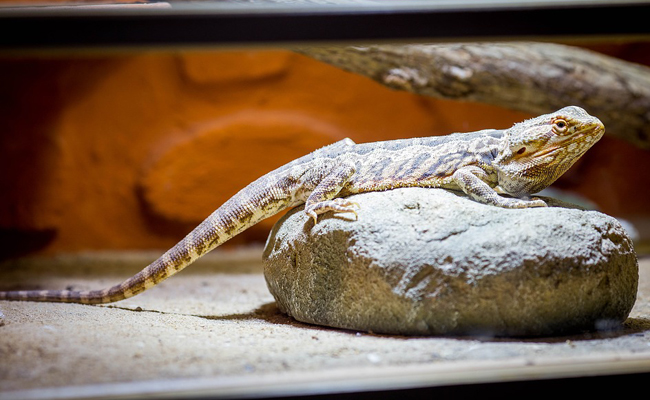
(227, 221)
(193, 246)
(268, 195)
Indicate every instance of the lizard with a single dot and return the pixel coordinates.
(501, 168)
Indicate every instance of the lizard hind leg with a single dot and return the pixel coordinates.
(323, 198)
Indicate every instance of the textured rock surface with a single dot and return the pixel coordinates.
(428, 261)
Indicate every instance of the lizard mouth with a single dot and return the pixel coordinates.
(586, 137)
(551, 151)
(578, 143)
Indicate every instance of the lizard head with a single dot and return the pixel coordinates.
(541, 149)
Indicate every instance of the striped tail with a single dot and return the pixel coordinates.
(284, 187)
(235, 216)
(193, 246)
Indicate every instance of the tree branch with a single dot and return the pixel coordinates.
(531, 77)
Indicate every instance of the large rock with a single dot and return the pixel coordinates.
(429, 261)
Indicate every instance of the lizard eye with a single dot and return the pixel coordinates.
(560, 125)
(521, 151)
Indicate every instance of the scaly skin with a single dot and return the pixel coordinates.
(518, 161)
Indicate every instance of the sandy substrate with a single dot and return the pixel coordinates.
(214, 330)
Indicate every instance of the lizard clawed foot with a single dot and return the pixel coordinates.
(337, 205)
(537, 202)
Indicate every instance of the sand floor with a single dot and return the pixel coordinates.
(213, 330)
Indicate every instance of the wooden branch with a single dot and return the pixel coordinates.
(531, 77)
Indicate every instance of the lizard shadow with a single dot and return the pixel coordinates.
(270, 313)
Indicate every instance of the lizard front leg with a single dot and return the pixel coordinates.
(323, 197)
(469, 180)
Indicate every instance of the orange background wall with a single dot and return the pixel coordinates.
(131, 151)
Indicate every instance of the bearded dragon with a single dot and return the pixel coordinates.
(486, 164)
